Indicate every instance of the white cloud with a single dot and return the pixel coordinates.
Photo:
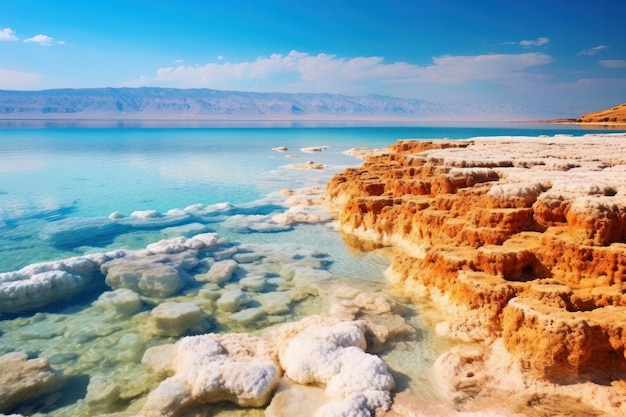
(302, 72)
(11, 80)
(534, 42)
(593, 51)
(44, 40)
(613, 63)
(7, 34)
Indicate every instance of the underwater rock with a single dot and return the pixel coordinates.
(219, 273)
(175, 319)
(122, 301)
(24, 379)
(101, 394)
(144, 277)
(79, 231)
(232, 300)
(211, 368)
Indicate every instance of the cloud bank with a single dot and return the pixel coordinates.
(44, 40)
(10, 79)
(303, 72)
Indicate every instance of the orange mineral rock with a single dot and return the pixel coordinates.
(520, 238)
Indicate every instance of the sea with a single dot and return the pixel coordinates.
(71, 190)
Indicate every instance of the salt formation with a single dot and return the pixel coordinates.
(246, 370)
(211, 368)
(22, 378)
(520, 242)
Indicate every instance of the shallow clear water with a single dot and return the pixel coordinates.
(52, 180)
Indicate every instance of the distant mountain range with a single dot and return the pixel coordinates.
(151, 103)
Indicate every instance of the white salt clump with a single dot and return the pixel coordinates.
(302, 214)
(146, 214)
(306, 165)
(116, 215)
(38, 285)
(280, 149)
(528, 192)
(329, 352)
(205, 241)
(167, 246)
(312, 149)
(253, 223)
(121, 301)
(219, 273)
(209, 369)
(175, 319)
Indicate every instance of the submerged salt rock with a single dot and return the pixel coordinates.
(254, 223)
(122, 301)
(211, 368)
(175, 319)
(78, 231)
(22, 379)
(254, 283)
(219, 273)
(101, 394)
(232, 300)
(145, 277)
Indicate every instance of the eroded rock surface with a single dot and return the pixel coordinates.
(517, 238)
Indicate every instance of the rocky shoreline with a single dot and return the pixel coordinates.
(519, 243)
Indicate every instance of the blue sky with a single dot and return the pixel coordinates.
(569, 53)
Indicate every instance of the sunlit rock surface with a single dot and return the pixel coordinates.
(516, 240)
(22, 378)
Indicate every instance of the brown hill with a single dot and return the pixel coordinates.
(613, 115)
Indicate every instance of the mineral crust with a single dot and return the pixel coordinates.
(516, 239)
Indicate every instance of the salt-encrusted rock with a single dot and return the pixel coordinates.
(232, 300)
(329, 352)
(212, 368)
(22, 379)
(312, 149)
(306, 165)
(219, 273)
(167, 246)
(121, 301)
(302, 214)
(78, 231)
(39, 284)
(254, 223)
(205, 241)
(152, 219)
(175, 319)
(145, 277)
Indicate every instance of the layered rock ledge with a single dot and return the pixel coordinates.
(520, 242)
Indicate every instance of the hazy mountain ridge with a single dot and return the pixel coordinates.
(207, 104)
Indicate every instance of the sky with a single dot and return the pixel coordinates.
(549, 53)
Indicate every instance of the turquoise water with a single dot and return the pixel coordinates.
(60, 186)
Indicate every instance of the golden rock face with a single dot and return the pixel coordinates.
(526, 236)
(615, 114)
